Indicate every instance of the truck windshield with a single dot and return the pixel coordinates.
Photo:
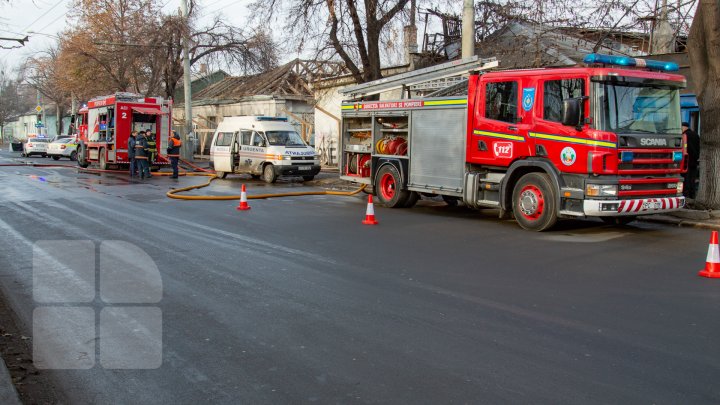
(637, 108)
(284, 138)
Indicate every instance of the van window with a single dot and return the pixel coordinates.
(284, 138)
(258, 139)
(555, 91)
(501, 101)
(246, 136)
(224, 139)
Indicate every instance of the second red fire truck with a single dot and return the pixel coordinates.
(105, 124)
(603, 140)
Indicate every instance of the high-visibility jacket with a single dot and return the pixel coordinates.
(173, 149)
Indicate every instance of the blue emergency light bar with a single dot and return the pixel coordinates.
(617, 60)
(263, 118)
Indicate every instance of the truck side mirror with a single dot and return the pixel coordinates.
(571, 112)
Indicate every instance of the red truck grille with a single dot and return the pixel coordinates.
(643, 174)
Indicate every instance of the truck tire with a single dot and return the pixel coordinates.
(388, 185)
(221, 175)
(413, 198)
(269, 175)
(533, 202)
(102, 160)
(81, 156)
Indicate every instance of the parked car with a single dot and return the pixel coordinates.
(63, 147)
(35, 146)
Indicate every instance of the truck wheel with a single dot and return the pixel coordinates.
(269, 174)
(102, 160)
(450, 200)
(533, 202)
(81, 156)
(308, 178)
(221, 175)
(618, 220)
(388, 186)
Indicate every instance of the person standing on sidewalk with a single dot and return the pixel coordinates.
(693, 148)
(141, 155)
(173, 152)
(131, 153)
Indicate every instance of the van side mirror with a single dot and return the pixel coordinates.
(572, 111)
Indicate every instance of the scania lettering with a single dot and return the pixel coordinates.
(603, 140)
(265, 147)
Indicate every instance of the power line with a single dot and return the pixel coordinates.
(42, 15)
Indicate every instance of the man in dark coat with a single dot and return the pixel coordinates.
(141, 155)
(131, 153)
(693, 148)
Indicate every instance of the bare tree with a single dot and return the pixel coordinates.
(348, 29)
(42, 74)
(705, 67)
(9, 98)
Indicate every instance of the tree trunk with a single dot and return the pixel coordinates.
(705, 67)
(58, 119)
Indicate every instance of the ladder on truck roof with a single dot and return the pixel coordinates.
(434, 78)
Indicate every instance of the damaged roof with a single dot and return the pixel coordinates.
(291, 80)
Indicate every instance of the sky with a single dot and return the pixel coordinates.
(49, 17)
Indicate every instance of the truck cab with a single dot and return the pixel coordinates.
(264, 147)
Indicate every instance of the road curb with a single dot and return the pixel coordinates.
(8, 394)
(681, 222)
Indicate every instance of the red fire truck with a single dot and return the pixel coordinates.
(105, 124)
(603, 140)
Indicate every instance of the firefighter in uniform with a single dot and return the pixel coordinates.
(151, 147)
(141, 155)
(131, 153)
(173, 152)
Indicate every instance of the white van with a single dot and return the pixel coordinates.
(265, 147)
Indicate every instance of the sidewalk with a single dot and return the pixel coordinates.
(705, 219)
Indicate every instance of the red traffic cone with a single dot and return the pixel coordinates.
(370, 213)
(712, 263)
(243, 206)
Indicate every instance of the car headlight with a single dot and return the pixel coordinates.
(601, 190)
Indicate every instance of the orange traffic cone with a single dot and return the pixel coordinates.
(370, 213)
(243, 201)
(712, 263)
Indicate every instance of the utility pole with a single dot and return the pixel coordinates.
(468, 29)
(188, 149)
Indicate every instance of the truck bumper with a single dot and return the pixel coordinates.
(642, 206)
(294, 170)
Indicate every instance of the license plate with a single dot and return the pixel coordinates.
(651, 206)
(304, 167)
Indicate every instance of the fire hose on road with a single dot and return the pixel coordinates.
(174, 193)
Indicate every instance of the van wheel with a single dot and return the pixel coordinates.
(269, 175)
(56, 157)
(533, 202)
(73, 155)
(221, 175)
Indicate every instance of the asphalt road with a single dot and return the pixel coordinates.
(295, 301)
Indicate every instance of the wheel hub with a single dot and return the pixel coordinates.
(531, 202)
